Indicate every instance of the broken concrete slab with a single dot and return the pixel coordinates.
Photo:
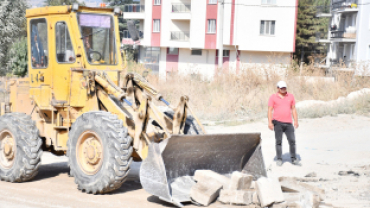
(291, 185)
(309, 199)
(181, 188)
(296, 204)
(280, 205)
(240, 181)
(292, 197)
(256, 200)
(207, 175)
(269, 191)
(237, 197)
(253, 185)
(205, 192)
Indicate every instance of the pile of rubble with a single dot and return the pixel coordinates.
(206, 186)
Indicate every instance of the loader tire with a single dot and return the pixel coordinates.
(191, 125)
(99, 151)
(20, 148)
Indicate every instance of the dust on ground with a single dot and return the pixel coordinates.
(325, 145)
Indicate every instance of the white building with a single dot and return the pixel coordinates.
(349, 33)
(184, 35)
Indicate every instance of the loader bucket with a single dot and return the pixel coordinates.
(182, 155)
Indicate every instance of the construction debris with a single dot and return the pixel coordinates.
(312, 174)
(181, 188)
(240, 181)
(280, 205)
(269, 191)
(345, 173)
(209, 175)
(291, 185)
(237, 190)
(256, 200)
(237, 197)
(205, 192)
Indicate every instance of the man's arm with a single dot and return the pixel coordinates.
(269, 115)
(295, 116)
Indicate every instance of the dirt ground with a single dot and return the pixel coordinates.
(325, 145)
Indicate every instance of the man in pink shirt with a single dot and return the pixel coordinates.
(281, 106)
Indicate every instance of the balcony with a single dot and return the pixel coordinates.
(134, 8)
(127, 37)
(181, 8)
(344, 6)
(134, 11)
(181, 12)
(180, 35)
(323, 11)
(343, 36)
(126, 34)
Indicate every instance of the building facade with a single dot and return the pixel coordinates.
(349, 33)
(184, 35)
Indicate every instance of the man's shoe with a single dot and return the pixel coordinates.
(295, 161)
(279, 162)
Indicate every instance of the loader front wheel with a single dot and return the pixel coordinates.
(99, 151)
(20, 148)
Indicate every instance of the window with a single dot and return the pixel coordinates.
(157, 2)
(173, 51)
(156, 25)
(211, 26)
(269, 2)
(64, 49)
(196, 52)
(212, 1)
(39, 43)
(225, 53)
(98, 36)
(267, 27)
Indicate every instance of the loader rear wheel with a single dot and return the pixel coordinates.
(191, 125)
(20, 148)
(99, 151)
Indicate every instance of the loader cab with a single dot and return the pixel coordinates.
(66, 46)
(62, 39)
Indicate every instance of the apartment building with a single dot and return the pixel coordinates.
(184, 35)
(349, 33)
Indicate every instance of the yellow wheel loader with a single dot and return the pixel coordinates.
(74, 102)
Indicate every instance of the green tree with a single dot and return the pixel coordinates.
(60, 2)
(310, 28)
(17, 57)
(12, 27)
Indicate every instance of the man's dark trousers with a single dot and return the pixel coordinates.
(288, 129)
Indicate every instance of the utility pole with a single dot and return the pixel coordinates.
(221, 34)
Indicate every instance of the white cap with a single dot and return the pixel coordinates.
(281, 84)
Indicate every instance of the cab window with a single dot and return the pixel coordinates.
(39, 43)
(98, 36)
(64, 49)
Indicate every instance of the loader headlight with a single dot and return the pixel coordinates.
(117, 11)
(75, 7)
